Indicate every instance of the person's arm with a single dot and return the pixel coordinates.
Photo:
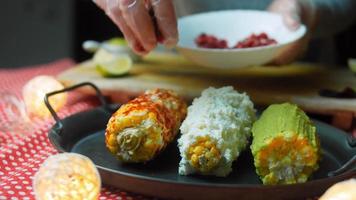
(322, 18)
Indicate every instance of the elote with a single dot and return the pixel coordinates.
(285, 145)
(143, 127)
(216, 130)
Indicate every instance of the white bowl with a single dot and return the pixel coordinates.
(234, 25)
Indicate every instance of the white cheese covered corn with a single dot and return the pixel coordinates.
(216, 130)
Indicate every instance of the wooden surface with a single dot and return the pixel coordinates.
(298, 83)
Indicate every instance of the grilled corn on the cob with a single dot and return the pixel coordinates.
(142, 128)
(285, 145)
(215, 131)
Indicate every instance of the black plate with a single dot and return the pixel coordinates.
(84, 133)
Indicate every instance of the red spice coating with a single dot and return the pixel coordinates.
(166, 106)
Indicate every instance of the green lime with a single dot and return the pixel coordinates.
(352, 64)
(119, 46)
(110, 65)
(117, 41)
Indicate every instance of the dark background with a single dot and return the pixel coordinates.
(39, 31)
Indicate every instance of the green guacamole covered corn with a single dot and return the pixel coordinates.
(285, 145)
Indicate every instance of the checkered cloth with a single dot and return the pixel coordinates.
(24, 145)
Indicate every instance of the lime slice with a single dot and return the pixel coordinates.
(352, 64)
(110, 65)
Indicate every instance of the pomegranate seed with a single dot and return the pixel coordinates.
(254, 40)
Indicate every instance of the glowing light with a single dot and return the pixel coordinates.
(345, 190)
(67, 176)
(34, 92)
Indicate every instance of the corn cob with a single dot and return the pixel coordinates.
(143, 127)
(215, 131)
(285, 145)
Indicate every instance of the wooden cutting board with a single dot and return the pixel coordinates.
(298, 83)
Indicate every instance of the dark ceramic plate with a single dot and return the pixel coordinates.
(84, 133)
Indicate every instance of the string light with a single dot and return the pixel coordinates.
(67, 176)
(344, 190)
(34, 92)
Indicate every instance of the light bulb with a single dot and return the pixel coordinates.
(34, 92)
(65, 176)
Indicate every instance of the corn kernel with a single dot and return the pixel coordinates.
(199, 150)
(203, 154)
(194, 158)
(208, 144)
(289, 155)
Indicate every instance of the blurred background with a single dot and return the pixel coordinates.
(39, 31)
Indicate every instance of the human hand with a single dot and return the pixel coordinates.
(141, 30)
(294, 13)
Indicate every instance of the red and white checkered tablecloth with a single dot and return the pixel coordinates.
(23, 149)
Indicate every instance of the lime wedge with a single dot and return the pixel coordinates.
(110, 65)
(352, 64)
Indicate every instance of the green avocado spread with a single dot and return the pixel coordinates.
(280, 119)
